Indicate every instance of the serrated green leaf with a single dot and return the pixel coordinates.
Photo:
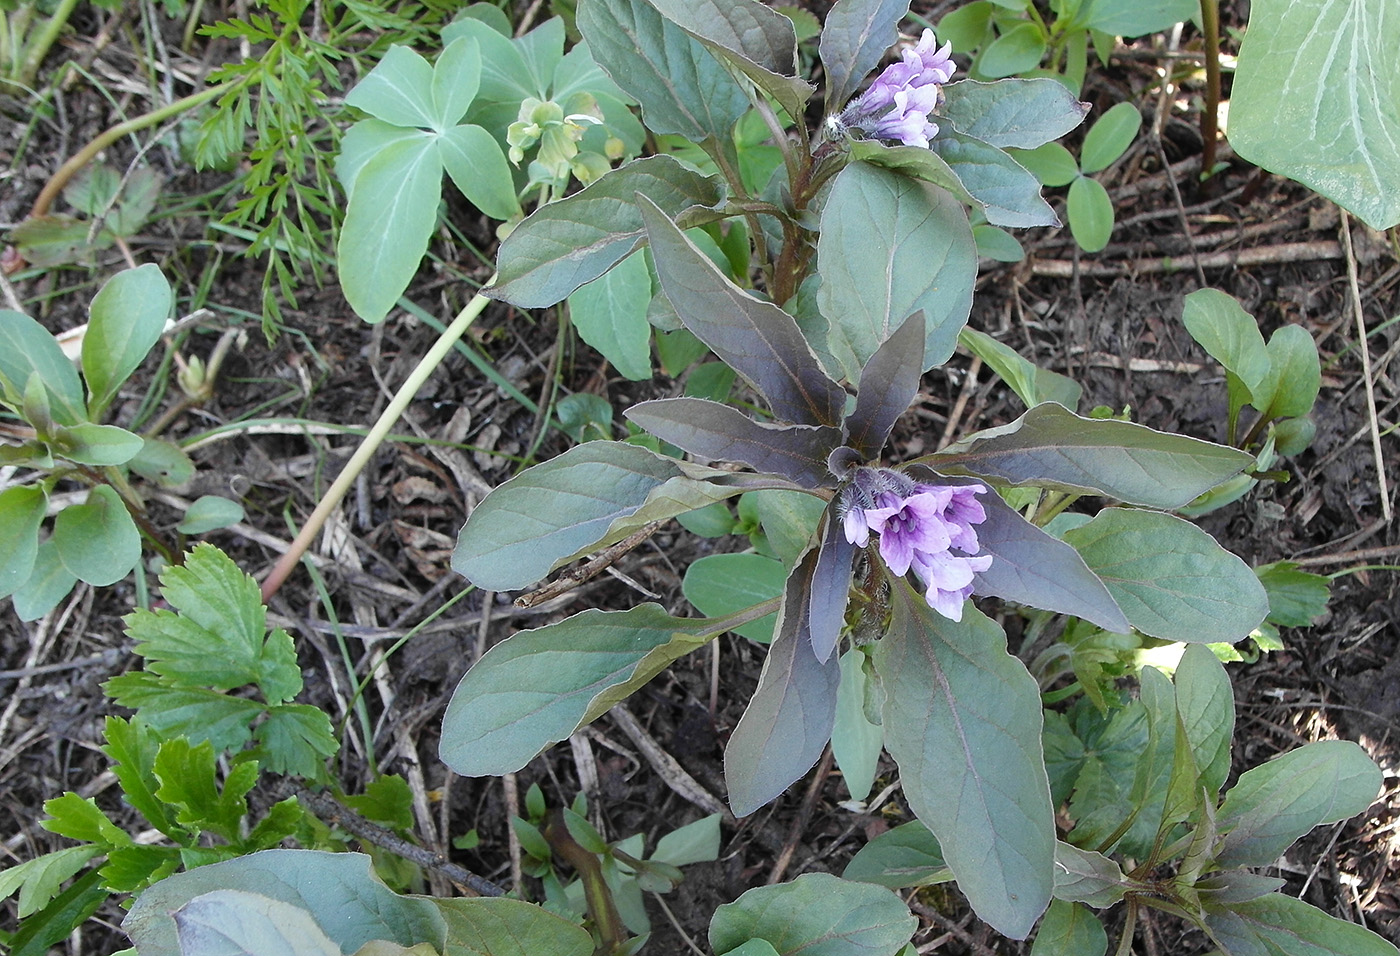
(127, 319)
(399, 90)
(132, 747)
(1314, 99)
(564, 244)
(1275, 804)
(721, 584)
(1109, 137)
(816, 914)
(80, 819)
(1090, 213)
(189, 781)
(889, 247)
(97, 540)
(209, 513)
(39, 880)
(788, 722)
(26, 347)
(905, 856)
(962, 719)
(538, 686)
(194, 712)
(387, 800)
(21, 512)
(1070, 929)
(296, 739)
(338, 889)
(610, 314)
(1051, 447)
(1172, 580)
(240, 923)
(68, 911)
(1024, 113)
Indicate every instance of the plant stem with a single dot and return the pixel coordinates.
(387, 419)
(85, 155)
(41, 44)
(1210, 26)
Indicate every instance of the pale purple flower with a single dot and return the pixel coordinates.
(897, 104)
(910, 526)
(948, 580)
(856, 527)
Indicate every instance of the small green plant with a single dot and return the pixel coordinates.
(57, 436)
(112, 209)
(28, 30)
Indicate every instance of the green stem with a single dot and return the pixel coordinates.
(1210, 27)
(85, 155)
(41, 44)
(387, 419)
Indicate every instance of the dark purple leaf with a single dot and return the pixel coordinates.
(755, 338)
(888, 383)
(1034, 568)
(717, 432)
(789, 720)
(831, 587)
(854, 41)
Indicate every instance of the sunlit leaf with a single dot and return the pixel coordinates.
(907, 855)
(1008, 192)
(816, 914)
(1013, 112)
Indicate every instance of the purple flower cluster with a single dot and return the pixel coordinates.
(919, 527)
(897, 104)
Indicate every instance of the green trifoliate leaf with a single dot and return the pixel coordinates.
(1109, 137)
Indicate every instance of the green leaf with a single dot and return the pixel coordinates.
(456, 78)
(97, 541)
(890, 246)
(1109, 137)
(72, 908)
(80, 819)
(1295, 373)
(22, 510)
(752, 336)
(1031, 383)
(39, 880)
(563, 245)
(97, 445)
(853, 42)
(1229, 334)
(189, 782)
(296, 739)
(682, 88)
(399, 90)
(754, 947)
(127, 319)
(711, 431)
(393, 208)
(1024, 113)
(387, 800)
(26, 347)
(1090, 213)
(538, 686)
(789, 520)
(697, 842)
(1087, 876)
(722, 584)
(1070, 929)
(962, 719)
(914, 162)
(905, 856)
(1009, 194)
(788, 722)
(209, 513)
(1018, 50)
(1289, 926)
(339, 890)
(968, 27)
(240, 923)
(856, 743)
(163, 462)
(193, 712)
(610, 314)
(1205, 699)
(132, 747)
(506, 927)
(1171, 578)
(1051, 447)
(1051, 163)
(1135, 18)
(1314, 99)
(48, 584)
(816, 914)
(478, 168)
(1275, 804)
(556, 511)
(1296, 598)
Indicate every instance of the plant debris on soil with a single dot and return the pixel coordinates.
(1111, 321)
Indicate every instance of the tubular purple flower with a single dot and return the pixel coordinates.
(897, 104)
(910, 526)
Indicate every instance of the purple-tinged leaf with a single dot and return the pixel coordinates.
(755, 338)
(1034, 568)
(854, 41)
(1281, 924)
(962, 718)
(717, 432)
(789, 720)
(831, 587)
(888, 384)
(1051, 447)
(1019, 112)
(564, 245)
